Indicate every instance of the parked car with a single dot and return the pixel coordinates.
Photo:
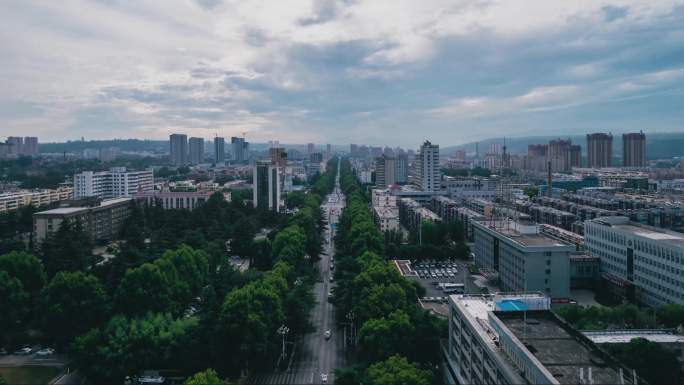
(324, 378)
(327, 334)
(25, 351)
(45, 352)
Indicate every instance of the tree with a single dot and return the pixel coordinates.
(27, 268)
(146, 288)
(651, 361)
(73, 303)
(69, 248)
(531, 191)
(671, 315)
(379, 338)
(125, 346)
(13, 301)
(397, 370)
(205, 377)
(290, 245)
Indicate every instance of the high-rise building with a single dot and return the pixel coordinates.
(639, 262)
(634, 149)
(30, 146)
(266, 186)
(385, 171)
(559, 155)
(179, 149)
(425, 171)
(353, 150)
(537, 149)
(310, 148)
(278, 156)
(575, 155)
(599, 150)
(401, 167)
(328, 149)
(117, 182)
(196, 146)
(219, 150)
(239, 149)
(16, 145)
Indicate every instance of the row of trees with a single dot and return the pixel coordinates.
(623, 317)
(434, 240)
(397, 342)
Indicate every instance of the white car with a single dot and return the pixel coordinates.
(327, 334)
(324, 378)
(331, 278)
(45, 352)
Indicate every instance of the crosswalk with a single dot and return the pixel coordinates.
(299, 377)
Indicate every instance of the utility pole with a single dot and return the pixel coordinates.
(283, 331)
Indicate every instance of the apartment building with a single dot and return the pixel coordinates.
(117, 182)
(15, 200)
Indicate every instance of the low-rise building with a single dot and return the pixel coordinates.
(412, 214)
(643, 263)
(102, 220)
(40, 197)
(512, 339)
(525, 258)
(188, 200)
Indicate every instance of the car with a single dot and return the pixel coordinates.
(331, 278)
(3, 352)
(327, 334)
(25, 351)
(330, 294)
(45, 352)
(324, 378)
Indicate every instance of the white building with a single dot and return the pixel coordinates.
(14, 200)
(385, 210)
(188, 200)
(647, 261)
(513, 338)
(117, 182)
(470, 187)
(425, 171)
(525, 258)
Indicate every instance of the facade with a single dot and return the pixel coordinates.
(117, 182)
(188, 200)
(196, 150)
(278, 156)
(310, 148)
(575, 156)
(425, 171)
(385, 171)
(239, 149)
(179, 149)
(102, 221)
(401, 167)
(385, 210)
(412, 214)
(514, 338)
(524, 257)
(461, 188)
(647, 263)
(16, 200)
(30, 147)
(219, 150)
(266, 186)
(634, 150)
(16, 144)
(599, 150)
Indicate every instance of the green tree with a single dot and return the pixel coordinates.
(671, 316)
(531, 191)
(13, 301)
(290, 245)
(27, 268)
(397, 370)
(651, 361)
(125, 346)
(146, 288)
(69, 248)
(205, 377)
(73, 303)
(379, 338)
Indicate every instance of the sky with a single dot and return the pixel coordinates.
(347, 71)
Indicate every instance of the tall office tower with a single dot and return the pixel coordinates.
(633, 149)
(278, 156)
(599, 150)
(425, 173)
(559, 155)
(328, 149)
(353, 150)
(219, 150)
(266, 186)
(179, 149)
(196, 146)
(401, 169)
(30, 146)
(239, 148)
(385, 171)
(310, 148)
(16, 145)
(575, 155)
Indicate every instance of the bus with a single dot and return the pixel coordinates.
(452, 288)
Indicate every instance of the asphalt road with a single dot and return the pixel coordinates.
(314, 354)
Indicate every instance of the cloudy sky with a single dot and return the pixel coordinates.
(382, 72)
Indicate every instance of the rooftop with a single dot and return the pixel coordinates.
(62, 211)
(565, 353)
(523, 234)
(625, 336)
(644, 231)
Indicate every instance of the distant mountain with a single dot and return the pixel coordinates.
(658, 145)
(157, 146)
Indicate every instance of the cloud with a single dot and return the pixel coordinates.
(336, 70)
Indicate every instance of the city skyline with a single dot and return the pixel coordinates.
(340, 72)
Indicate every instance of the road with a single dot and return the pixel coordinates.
(315, 355)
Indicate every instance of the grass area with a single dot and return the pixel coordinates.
(28, 375)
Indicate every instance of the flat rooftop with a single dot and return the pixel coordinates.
(62, 211)
(646, 232)
(563, 354)
(523, 234)
(625, 336)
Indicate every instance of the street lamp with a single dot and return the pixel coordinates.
(283, 330)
